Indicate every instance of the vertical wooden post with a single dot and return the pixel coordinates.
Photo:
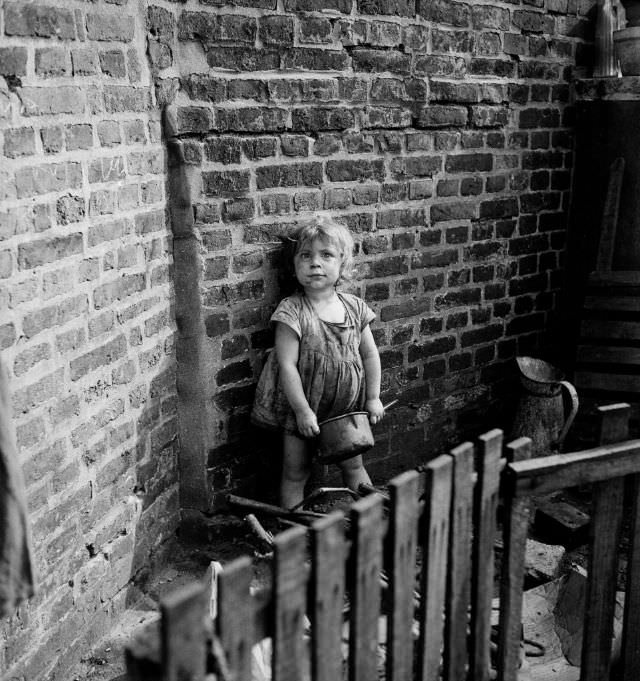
(606, 528)
(235, 624)
(184, 634)
(366, 564)
(289, 605)
(434, 531)
(486, 504)
(630, 652)
(328, 556)
(402, 538)
(456, 654)
(517, 510)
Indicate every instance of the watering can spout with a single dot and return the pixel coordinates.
(541, 414)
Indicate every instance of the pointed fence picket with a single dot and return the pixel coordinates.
(420, 562)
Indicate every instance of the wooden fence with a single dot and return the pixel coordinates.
(438, 622)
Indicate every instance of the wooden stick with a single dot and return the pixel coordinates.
(235, 622)
(304, 517)
(486, 504)
(366, 565)
(630, 655)
(517, 515)
(434, 533)
(459, 569)
(184, 652)
(328, 551)
(402, 541)
(289, 605)
(606, 530)
(256, 527)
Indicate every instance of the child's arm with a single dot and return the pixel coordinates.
(372, 371)
(287, 349)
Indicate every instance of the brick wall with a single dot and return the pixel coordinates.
(439, 132)
(86, 318)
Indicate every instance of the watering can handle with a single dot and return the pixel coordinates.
(574, 410)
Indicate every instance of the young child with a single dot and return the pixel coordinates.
(325, 362)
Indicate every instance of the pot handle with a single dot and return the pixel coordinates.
(574, 410)
(389, 404)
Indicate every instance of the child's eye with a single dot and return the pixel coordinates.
(305, 256)
(326, 255)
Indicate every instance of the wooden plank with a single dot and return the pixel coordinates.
(366, 564)
(516, 526)
(612, 303)
(610, 214)
(549, 473)
(518, 450)
(600, 598)
(615, 278)
(614, 423)
(235, 617)
(601, 328)
(435, 540)
(485, 522)
(289, 605)
(402, 540)
(459, 572)
(615, 383)
(328, 554)
(630, 650)
(606, 530)
(183, 634)
(608, 354)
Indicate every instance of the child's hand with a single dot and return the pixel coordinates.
(375, 409)
(307, 423)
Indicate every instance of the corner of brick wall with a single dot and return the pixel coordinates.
(87, 321)
(439, 132)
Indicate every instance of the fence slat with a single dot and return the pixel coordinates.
(235, 617)
(459, 572)
(606, 529)
(435, 540)
(364, 580)
(517, 511)
(486, 504)
(630, 654)
(289, 606)
(606, 525)
(183, 632)
(328, 550)
(402, 538)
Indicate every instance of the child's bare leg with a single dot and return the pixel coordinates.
(296, 468)
(354, 473)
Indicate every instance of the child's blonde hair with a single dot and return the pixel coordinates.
(326, 228)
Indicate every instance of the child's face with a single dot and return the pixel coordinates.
(317, 265)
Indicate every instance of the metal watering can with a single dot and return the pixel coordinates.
(540, 414)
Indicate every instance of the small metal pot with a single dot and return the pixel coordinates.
(343, 437)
